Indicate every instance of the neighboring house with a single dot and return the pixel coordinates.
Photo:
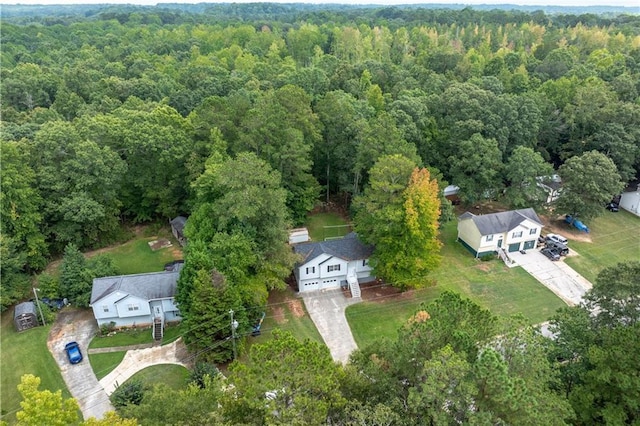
(136, 300)
(552, 186)
(25, 316)
(630, 200)
(177, 229)
(487, 234)
(333, 264)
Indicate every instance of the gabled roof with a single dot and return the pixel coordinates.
(156, 285)
(24, 308)
(496, 223)
(178, 223)
(348, 248)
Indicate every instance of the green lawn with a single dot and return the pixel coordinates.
(316, 225)
(614, 238)
(491, 284)
(173, 375)
(286, 311)
(23, 353)
(123, 338)
(103, 364)
(136, 257)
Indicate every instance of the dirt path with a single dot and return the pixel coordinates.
(78, 325)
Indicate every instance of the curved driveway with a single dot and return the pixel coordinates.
(79, 325)
(136, 360)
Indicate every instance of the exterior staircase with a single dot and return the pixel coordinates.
(158, 329)
(354, 286)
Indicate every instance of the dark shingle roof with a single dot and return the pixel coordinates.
(155, 285)
(178, 223)
(24, 308)
(348, 248)
(496, 223)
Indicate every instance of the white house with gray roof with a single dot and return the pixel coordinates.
(136, 300)
(333, 264)
(513, 230)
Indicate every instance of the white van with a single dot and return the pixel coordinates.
(557, 238)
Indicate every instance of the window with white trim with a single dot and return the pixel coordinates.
(365, 262)
(133, 307)
(516, 234)
(332, 268)
(532, 231)
(489, 238)
(105, 308)
(311, 270)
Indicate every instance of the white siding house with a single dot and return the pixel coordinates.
(630, 201)
(333, 264)
(511, 231)
(136, 300)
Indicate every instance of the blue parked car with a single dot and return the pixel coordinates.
(576, 223)
(73, 352)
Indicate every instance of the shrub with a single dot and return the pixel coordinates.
(130, 392)
(107, 328)
(487, 257)
(203, 369)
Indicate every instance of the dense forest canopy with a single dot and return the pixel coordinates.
(129, 114)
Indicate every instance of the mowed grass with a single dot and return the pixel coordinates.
(615, 238)
(103, 364)
(504, 291)
(316, 224)
(286, 311)
(123, 338)
(136, 257)
(24, 353)
(173, 375)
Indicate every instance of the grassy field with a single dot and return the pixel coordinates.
(172, 375)
(123, 338)
(103, 364)
(317, 222)
(615, 237)
(136, 257)
(23, 353)
(286, 311)
(502, 290)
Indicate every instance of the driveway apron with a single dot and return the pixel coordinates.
(557, 276)
(326, 309)
(80, 326)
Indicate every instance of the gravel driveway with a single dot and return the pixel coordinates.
(78, 325)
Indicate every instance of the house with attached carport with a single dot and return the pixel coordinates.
(333, 264)
(137, 300)
(512, 231)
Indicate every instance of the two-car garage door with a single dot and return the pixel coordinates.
(527, 245)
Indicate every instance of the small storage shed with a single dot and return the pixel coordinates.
(299, 235)
(25, 316)
(177, 229)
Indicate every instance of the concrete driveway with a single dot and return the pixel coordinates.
(557, 276)
(136, 360)
(80, 326)
(326, 309)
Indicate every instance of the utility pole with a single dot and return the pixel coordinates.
(35, 293)
(234, 325)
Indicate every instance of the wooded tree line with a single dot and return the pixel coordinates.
(453, 362)
(106, 121)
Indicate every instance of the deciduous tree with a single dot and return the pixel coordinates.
(589, 181)
(398, 214)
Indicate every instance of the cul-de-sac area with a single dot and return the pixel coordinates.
(319, 214)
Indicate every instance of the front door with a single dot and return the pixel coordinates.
(500, 243)
(157, 311)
